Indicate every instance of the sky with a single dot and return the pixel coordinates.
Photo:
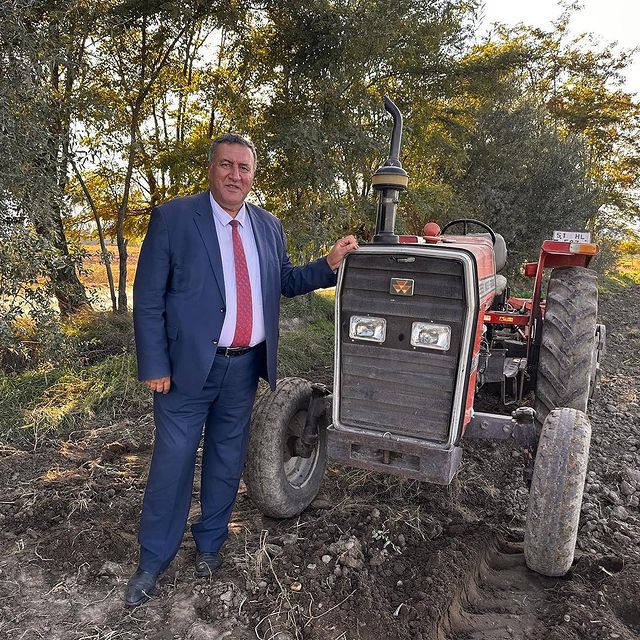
(609, 20)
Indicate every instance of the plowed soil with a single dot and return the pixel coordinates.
(373, 558)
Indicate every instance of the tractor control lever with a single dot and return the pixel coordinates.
(389, 180)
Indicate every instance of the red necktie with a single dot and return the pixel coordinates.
(244, 314)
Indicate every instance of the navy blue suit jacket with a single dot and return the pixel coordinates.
(179, 297)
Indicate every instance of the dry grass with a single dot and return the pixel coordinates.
(627, 273)
(94, 271)
(629, 268)
(629, 263)
(46, 405)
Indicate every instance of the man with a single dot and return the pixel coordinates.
(207, 293)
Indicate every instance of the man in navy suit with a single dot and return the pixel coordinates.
(206, 311)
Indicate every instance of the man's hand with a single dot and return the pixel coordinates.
(161, 385)
(340, 249)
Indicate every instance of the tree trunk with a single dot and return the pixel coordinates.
(68, 290)
(103, 245)
(122, 242)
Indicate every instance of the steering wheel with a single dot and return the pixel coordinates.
(467, 221)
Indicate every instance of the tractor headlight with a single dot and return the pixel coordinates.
(366, 328)
(431, 336)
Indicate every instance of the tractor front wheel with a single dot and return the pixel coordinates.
(280, 483)
(555, 496)
(568, 351)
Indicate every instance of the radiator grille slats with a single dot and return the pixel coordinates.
(382, 364)
(442, 286)
(425, 308)
(394, 387)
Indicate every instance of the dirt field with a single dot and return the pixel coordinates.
(373, 558)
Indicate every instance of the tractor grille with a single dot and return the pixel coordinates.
(394, 387)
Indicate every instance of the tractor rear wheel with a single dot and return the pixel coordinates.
(569, 342)
(280, 483)
(555, 496)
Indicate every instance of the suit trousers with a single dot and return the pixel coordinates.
(224, 409)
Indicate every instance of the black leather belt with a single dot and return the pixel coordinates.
(235, 351)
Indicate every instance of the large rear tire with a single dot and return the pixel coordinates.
(281, 484)
(568, 348)
(556, 492)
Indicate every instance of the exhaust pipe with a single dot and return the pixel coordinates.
(389, 180)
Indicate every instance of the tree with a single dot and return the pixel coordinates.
(40, 53)
(317, 71)
(145, 125)
(523, 178)
(536, 135)
(580, 84)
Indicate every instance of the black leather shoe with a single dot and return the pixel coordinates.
(207, 564)
(140, 588)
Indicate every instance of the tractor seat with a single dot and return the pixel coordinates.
(500, 253)
(499, 249)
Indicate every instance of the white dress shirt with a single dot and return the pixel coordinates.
(225, 241)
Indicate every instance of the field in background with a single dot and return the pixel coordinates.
(629, 264)
(94, 272)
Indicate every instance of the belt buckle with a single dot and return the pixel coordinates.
(232, 351)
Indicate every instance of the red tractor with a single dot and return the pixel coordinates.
(421, 323)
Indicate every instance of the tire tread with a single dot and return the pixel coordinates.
(555, 497)
(264, 473)
(568, 341)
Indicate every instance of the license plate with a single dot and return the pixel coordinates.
(580, 237)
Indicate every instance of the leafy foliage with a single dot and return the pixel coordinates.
(522, 178)
(108, 109)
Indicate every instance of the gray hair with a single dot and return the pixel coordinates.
(233, 138)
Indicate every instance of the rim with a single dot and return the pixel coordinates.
(298, 470)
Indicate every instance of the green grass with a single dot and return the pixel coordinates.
(38, 406)
(626, 273)
(306, 338)
(94, 380)
(94, 335)
(618, 279)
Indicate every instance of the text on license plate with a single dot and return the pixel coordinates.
(572, 236)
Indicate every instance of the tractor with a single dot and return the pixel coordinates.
(421, 324)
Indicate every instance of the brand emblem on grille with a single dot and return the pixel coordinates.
(401, 287)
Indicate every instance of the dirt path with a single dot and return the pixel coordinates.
(373, 558)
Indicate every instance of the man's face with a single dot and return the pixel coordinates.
(231, 175)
